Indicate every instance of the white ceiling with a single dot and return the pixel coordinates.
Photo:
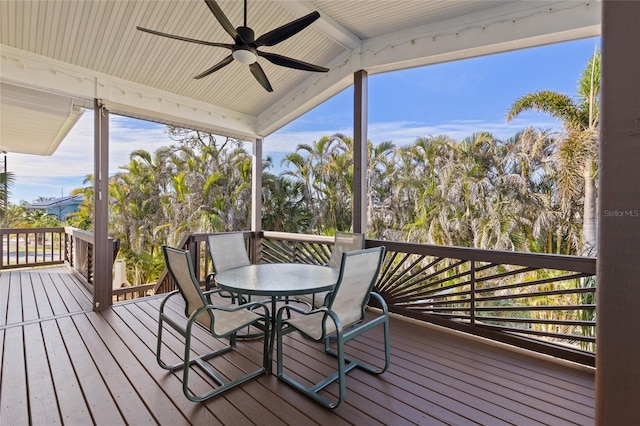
(60, 55)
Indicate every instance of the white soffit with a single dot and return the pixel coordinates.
(33, 121)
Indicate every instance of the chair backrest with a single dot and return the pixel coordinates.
(179, 265)
(227, 251)
(344, 242)
(358, 274)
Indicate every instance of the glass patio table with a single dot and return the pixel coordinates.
(278, 281)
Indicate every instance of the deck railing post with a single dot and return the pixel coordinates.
(472, 281)
(194, 251)
(2, 237)
(256, 248)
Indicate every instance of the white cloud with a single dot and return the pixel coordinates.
(73, 160)
(405, 133)
(74, 156)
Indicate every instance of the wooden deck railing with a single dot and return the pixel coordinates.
(541, 302)
(133, 292)
(24, 247)
(31, 247)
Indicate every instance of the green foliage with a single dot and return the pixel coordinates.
(6, 180)
(199, 184)
(518, 194)
(21, 217)
(575, 157)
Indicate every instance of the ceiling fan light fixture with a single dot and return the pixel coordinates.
(244, 56)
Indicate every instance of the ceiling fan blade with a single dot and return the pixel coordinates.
(291, 63)
(223, 63)
(190, 40)
(224, 21)
(259, 74)
(282, 33)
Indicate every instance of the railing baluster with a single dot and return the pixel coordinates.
(472, 282)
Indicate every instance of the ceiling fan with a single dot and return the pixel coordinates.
(245, 46)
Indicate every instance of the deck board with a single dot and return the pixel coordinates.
(28, 296)
(83, 367)
(42, 401)
(40, 294)
(14, 309)
(488, 393)
(80, 295)
(14, 407)
(4, 296)
(66, 380)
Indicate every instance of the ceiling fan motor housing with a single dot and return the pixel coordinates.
(246, 35)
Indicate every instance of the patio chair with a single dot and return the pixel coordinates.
(227, 251)
(219, 321)
(344, 242)
(341, 320)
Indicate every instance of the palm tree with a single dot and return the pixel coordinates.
(284, 207)
(380, 174)
(576, 155)
(527, 179)
(316, 166)
(426, 171)
(83, 218)
(6, 180)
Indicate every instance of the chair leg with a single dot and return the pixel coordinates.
(313, 391)
(186, 359)
(188, 363)
(345, 363)
(353, 362)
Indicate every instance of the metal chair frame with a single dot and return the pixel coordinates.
(208, 311)
(339, 334)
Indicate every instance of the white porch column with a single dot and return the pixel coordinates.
(618, 272)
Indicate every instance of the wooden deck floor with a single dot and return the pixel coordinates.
(61, 363)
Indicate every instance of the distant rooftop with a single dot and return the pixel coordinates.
(55, 202)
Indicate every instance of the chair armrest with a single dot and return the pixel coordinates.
(381, 301)
(212, 291)
(234, 308)
(209, 283)
(166, 298)
(328, 312)
(300, 310)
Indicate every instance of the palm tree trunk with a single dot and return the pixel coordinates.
(589, 226)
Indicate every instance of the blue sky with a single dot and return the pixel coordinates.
(455, 98)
